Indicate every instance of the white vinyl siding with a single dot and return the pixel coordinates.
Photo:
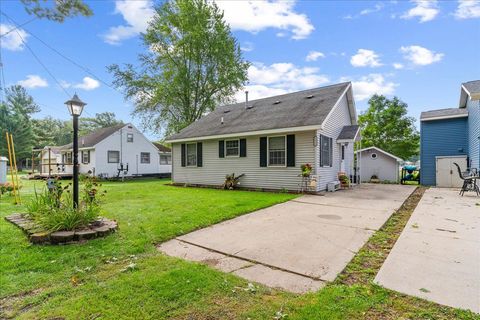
(339, 118)
(214, 168)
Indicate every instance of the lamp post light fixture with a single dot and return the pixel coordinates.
(75, 107)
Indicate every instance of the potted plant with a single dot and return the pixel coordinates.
(306, 170)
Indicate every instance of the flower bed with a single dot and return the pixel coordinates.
(39, 235)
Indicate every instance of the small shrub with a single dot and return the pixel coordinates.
(231, 181)
(53, 207)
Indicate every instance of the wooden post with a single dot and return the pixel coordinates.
(16, 169)
(33, 163)
(49, 161)
(11, 164)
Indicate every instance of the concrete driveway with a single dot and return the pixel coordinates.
(437, 256)
(297, 245)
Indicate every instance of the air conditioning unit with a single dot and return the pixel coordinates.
(333, 186)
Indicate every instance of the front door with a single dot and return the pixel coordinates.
(447, 173)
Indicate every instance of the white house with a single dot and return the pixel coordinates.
(376, 162)
(269, 139)
(120, 150)
(50, 161)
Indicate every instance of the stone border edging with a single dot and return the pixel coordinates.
(38, 235)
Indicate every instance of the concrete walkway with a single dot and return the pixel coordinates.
(297, 245)
(437, 256)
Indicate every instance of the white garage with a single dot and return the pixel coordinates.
(379, 164)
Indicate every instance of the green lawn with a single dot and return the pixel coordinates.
(93, 280)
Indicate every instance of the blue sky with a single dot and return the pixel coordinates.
(420, 51)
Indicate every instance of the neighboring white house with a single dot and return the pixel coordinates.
(120, 150)
(269, 139)
(376, 162)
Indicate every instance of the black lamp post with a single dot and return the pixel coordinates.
(75, 107)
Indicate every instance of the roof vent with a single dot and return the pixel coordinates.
(221, 120)
(249, 107)
(277, 102)
(246, 99)
(310, 96)
(226, 111)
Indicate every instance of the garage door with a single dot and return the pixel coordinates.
(447, 173)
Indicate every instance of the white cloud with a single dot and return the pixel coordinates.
(136, 14)
(420, 56)
(33, 81)
(255, 16)
(426, 10)
(314, 55)
(468, 9)
(366, 86)
(279, 78)
(365, 58)
(87, 84)
(12, 39)
(247, 46)
(376, 8)
(398, 65)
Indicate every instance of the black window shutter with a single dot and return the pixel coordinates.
(291, 150)
(243, 147)
(88, 156)
(183, 154)
(221, 148)
(81, 154)
(263, 151)
(320, 158)
(199, 154)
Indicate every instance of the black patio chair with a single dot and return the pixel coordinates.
(469, 182)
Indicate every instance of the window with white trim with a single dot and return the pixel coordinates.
(325, 151)
(85, 157)
(277, 151)
(113, 156)
(144, 157)
(191, 155)
(68, 158)
(129, 137)
(232, 148)
(165, 159)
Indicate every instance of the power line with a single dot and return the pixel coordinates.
(85, 69)
(16, 27)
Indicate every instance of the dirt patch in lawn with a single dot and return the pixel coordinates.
(12, 306)
(366, 264)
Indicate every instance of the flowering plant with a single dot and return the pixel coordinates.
(306, 169)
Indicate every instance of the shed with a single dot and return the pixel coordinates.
(3, 170)
(377, 162)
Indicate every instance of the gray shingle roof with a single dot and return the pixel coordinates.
(161, 147)
(303, 108)
(473, 87)
(451, 112)
(348, 132)
(95, 137)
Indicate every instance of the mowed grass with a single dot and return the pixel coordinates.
(123, 276)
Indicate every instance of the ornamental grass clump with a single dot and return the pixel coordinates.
(52, 208)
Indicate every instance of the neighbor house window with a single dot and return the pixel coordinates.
(113, 156)
(144, 157)
(325, 151)
(191, 155)
(165, 159)
(232, 148)
(68, 158)
(85, 157)
(129, 137)
(276, 151)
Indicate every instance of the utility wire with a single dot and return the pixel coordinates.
(85, 69)
(17, 27)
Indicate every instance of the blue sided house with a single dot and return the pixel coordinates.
(449, 136)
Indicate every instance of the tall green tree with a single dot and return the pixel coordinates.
(191, 64)
(52, 132)
(386, 125)
(16, 118)
(101, 120)
(57, 10)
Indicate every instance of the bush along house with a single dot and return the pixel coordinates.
(268, 140)
(450, 136)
